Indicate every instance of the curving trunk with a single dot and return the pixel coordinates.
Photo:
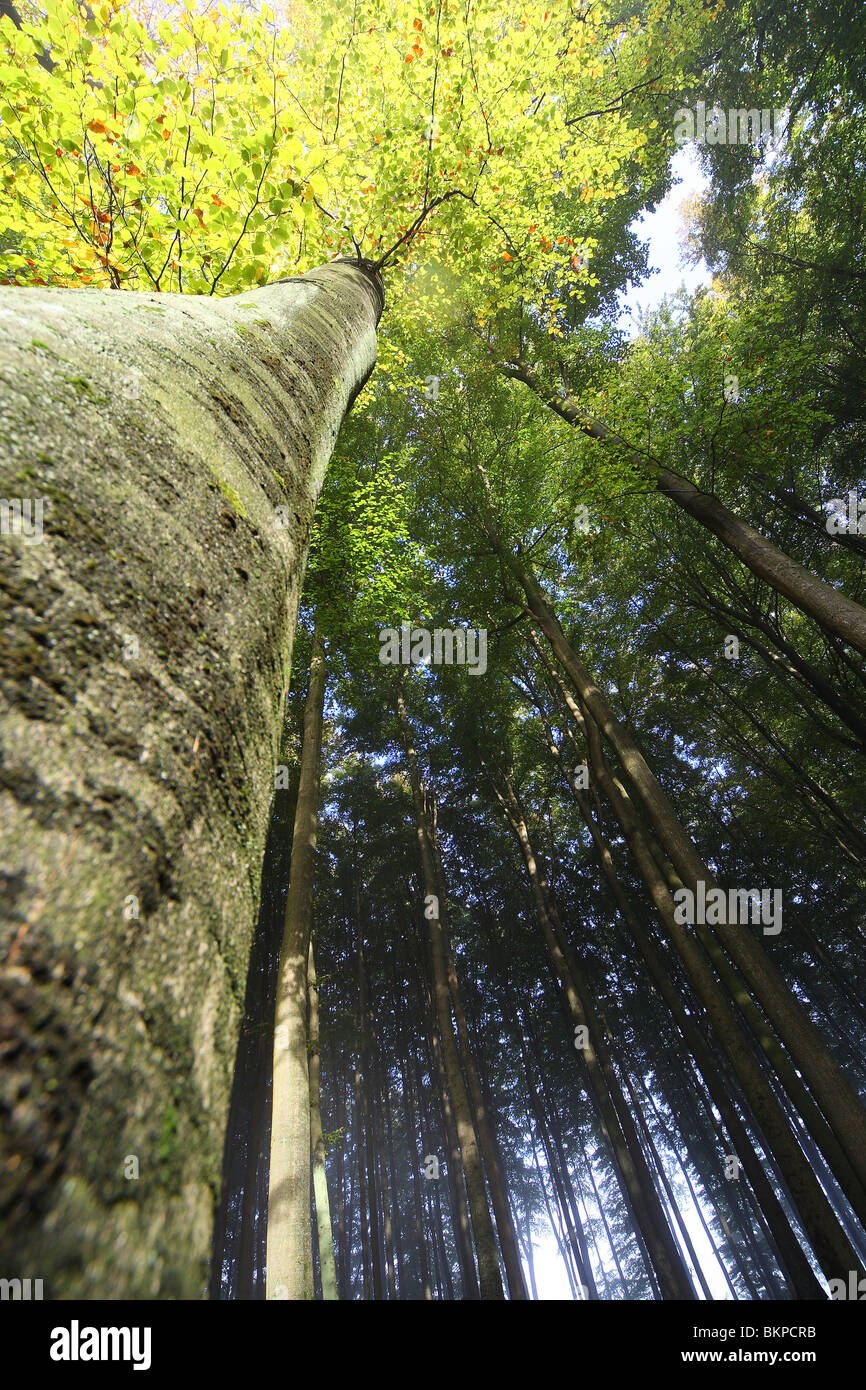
(146, 642)
(834, 611)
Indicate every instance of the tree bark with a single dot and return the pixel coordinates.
(833, 610)
(161, 433)
(327, 1263)
(290, 1263)
(489, 1278)
(830, 1088)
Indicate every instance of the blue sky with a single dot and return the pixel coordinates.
(662, 228)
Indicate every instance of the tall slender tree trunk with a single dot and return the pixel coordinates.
(818, 1127)
(183, 441)
(698, 1206)
(386, 1188)
(432, 1187)
(340, 1166)
(413, 1134)
(489, 1278)
(394, 1190)
(567, 1255)
(289, 1253)
(366, 1044)
(738, 1231)
(483, 1124)
(604, 1221)
(360, 1155)
(459, 1207)
(832, 610)
(327, 1263)
(555, 1157)
(571, 1222)
(530, 1256)
(808, 1051)
(655, 1160)
(461, 1223)
(804, 1280)
(831, 1246)
(631, 1165)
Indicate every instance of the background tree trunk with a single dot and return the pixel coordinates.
(320, 1177)
(489, 1277)
(834, 611)
(290, 1255)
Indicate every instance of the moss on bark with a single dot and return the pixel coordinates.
(144, 657)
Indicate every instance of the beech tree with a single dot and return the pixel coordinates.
(300, 311)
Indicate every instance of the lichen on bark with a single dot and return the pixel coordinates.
(144, 658)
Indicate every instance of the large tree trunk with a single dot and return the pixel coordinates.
(162, 432)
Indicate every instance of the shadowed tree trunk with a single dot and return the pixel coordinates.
(177, 445)
(632, 1171)
(803, 1279)
(372, 1250)
(412, 1133)
(820, 1222)
(808, 1051)
(458, 1204)
(489, 1277)
(483, 1125)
